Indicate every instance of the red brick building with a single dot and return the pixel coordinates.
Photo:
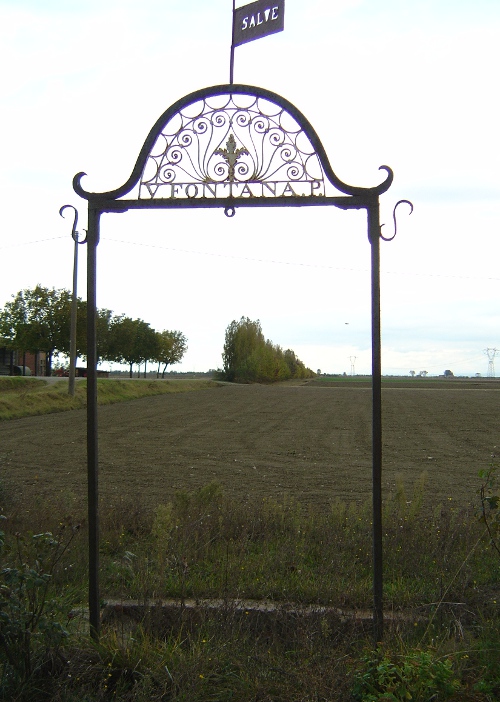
(12, 362)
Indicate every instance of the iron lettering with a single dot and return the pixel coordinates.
(258, 19)
(248, 189)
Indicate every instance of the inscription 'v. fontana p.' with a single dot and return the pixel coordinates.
(191, 191)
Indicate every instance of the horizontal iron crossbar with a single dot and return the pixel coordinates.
(355, 202)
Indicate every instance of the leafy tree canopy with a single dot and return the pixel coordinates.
(39, 320)
(171, 347)
(249, 357)
(131, 341)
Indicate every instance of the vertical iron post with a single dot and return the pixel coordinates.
(92, 444)
(374, 237)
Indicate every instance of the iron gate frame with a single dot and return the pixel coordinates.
(352, 197)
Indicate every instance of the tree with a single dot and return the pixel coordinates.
(297, 368)
(38, 320)
(249, 357)
(13, 322)
(242, 340)
(267, 364)
(104, 320)
(170, 348)
(131, 341)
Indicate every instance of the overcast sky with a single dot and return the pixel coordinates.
(408, 83)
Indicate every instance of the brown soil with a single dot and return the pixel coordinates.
(309, 442)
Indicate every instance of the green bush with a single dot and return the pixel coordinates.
(418, 676)
(31, 615)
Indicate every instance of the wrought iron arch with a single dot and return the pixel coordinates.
(211, 115)
(233, 146)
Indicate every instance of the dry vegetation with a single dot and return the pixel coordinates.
(27, 397)
(251, 494)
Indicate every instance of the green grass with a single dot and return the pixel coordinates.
(204, 545)
(388, 381)
(26, 397)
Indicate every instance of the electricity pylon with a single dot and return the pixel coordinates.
(491, 353)
(353, 361)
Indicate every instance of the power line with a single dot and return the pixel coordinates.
(293, 263)
(29, 243)
(471, 359)
(260, 260)
(233, 257)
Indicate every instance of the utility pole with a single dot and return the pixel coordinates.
(74, 302)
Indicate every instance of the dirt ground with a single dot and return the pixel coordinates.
(309, 442)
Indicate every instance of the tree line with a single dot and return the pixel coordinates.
(249, 357)
(39, 319)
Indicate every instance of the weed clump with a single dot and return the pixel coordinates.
(208, 598)
(415, 675)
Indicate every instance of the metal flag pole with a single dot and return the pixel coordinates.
(231, 62)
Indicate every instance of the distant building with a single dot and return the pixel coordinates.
(14, 362)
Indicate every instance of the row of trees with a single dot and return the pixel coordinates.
(249, 357)
(39, 320)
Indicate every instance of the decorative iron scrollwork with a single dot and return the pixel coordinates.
(231, 142)
(400, 202)
(232, 145)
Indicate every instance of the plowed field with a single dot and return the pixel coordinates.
(311, 442)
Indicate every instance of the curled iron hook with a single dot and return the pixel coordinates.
(229, 211)
(400, 202)
(74, 233)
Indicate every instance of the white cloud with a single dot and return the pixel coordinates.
(407, 84)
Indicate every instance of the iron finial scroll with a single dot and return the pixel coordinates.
(74, 234)
(400, 202)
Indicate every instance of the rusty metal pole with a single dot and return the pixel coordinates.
(374, 237)
(92, 444)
